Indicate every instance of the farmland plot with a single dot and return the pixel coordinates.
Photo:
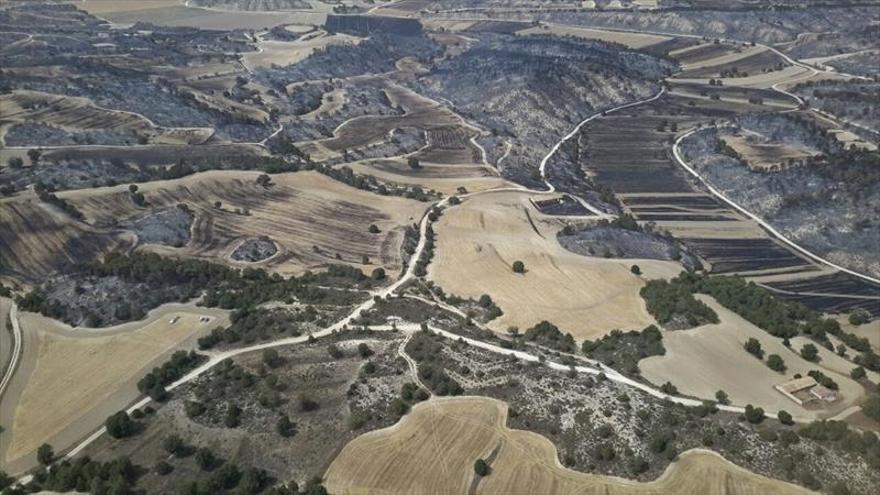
(407, 458)
(479, 241)
(67, 385)
(313, 219)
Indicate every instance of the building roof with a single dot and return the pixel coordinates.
(823, 393)
(797, 384)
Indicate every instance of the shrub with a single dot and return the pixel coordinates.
(810, 353)
(285, 427)
(481, 468)
(635, 270)
(364, 350)
(119, 425)
(307, 404)
(859, 317)
(753, 347)
(785, 418)
(174, 445)
(519, 267)
(857, 373)
(398, 407)
(45, 454)
(162, 468)
(776, 363)
(193, 409)
(669, 389)
(753, 414)
(721, 397)
(871, 407)
(335, 352)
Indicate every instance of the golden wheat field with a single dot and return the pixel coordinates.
(71, 380)
(478, 242)
(432, 451)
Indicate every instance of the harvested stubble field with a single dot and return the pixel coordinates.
(442, 178)
(273, 52)
(432, 450)
(630, 40)
(70, 380)
(309, 216)
(763, 156)
(419, 112)
(174, 13)
(478, 241)
(752, 60)
(709, 358)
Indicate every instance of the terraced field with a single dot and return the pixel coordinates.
(313, 219)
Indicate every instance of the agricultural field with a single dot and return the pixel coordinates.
(306, 214)
(313, 247)
(176, 13)
(66, 387)
(709, 358)
(480, 240)
(475, 428)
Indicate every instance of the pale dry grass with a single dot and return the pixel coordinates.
(631, 40)
(703, 360)
(99, 7)
(763, 156)
(478, 242)
(432, 451)
(290, 52)
(443, 178)
(77, 371)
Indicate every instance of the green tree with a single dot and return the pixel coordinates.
(120, 425)
(34, 155)
(669, 389)
(776, 363)
(45, 454)
(285, 427)
(809, 352)
(205, 458)
(15, 163)
(871, 407)
(721, 397)
(233, 416)
(519, 267)
(481, 468)
(785, 418)
(364, 350)
(857, 373)
(398, 407)
(754, 414)
(636, 270)
(271, 358)
(174, 445)
(753, 347)
(859, 317)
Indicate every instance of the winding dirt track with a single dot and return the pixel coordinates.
(216, 358)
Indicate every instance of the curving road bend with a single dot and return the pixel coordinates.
(215, 358)
(16, 349)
